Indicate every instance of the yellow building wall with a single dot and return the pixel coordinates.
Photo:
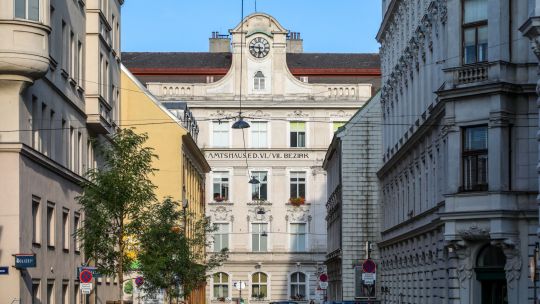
(139, 111)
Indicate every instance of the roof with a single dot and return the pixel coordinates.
(219, 63)
(175, 105)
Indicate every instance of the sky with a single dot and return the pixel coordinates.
(327, 26)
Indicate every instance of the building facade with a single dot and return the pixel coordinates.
(458, 179)
(275, 230)
(46, 127)
(180, 164)
(353, 213)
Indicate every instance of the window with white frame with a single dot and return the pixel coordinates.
(51, 225)
(259, 192)
(259, 134)
(27, 9)
(298, 237)
(221, 186)
(298, 184)
(259, 286)
(259, 81)
(76, 227)
(65, 229)
(221, 236)
(298, 134)
(221, 285)
(220, 134)
(259, 237)
(298, 286)
(36, 221)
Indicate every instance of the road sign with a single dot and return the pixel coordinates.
(139, 281)
(92, 269)
(323, 285)
(369, 266)
(239, 285)
(23, 261)
(85, 276)
(86, 288)
(369, 278)
(4, 270)
(323, 277)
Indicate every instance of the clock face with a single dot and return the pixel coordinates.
(259, 47)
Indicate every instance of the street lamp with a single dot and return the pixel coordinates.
(254, 181)
(240, 123)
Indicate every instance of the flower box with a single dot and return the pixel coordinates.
(297, 201)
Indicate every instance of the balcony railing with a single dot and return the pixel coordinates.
(471, 74)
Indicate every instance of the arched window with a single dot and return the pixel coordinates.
(491, 275)
(259, 286)
(298, 286)
(491, 257)
(258, 81)
(221, 285)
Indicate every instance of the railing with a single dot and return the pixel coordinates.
(470, 74)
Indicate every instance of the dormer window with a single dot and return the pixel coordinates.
(27, 9)
(258, 81)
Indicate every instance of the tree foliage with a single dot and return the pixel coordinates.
(171, 259)
(114, 201)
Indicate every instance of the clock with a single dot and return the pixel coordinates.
(259, 47)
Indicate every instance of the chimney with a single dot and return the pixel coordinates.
(220, 43)
(295, 44)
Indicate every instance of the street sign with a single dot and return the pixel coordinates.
(323, 285)
(23, 261)
(85, 276)
(139, 281)
(239, 285)
(4, 270)
(323, 277)
(93, 270)
(86, 288)
(369, 266)
(369, 278)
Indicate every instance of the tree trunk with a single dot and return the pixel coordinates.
(121, 263)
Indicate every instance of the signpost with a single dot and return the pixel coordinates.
(139, 281)
(93, 270)
(23, 261)
(240, 285)
(86, 288)
(85, 276)
(4, 270)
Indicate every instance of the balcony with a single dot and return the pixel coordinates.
(471, 74)
(98, 113)
(24, 51)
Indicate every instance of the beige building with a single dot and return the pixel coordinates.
(276, 229)
(59, 75)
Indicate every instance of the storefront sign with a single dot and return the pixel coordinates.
(4, 270)
(258, 155)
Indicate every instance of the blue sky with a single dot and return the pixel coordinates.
(342, 26)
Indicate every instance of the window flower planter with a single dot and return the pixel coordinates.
(297, 201)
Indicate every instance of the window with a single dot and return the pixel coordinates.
(475, 31)
(298, 184)
(221, 186)
(259, 237)
(50, 225)
(259, 134)
(220, 134)
(36, 298)
(259, 286)
(79, 153)
(27, 9)
(259, 191)
(298, 237)
(50, 293)
(80, 63)
(337, 124)
(65, 293)
(298, 286)
(72, 54)
(298, 134)
(65, 229)
(221, 285)
(72, 148)
(76, 227)
(36, 221)
(52, 136)
(77, 293)
(221, 237)
(475, 158)
(258, 81)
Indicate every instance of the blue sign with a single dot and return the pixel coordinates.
(93, 270)
(23, 261)
(4, 270)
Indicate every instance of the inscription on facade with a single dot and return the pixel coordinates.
(258, 155)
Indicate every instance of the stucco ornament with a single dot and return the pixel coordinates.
(465, 266)
(221, 114)
(297, 214)
(220, 213)
(514, 263)
(474, 233)
(297, 113)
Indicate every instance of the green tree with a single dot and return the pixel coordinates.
(170, 259)
(114, 200)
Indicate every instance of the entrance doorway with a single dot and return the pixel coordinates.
(490, 273)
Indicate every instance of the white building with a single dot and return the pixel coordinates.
(458, 180)
(59, 76)
(293, 102)
(353, 211)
